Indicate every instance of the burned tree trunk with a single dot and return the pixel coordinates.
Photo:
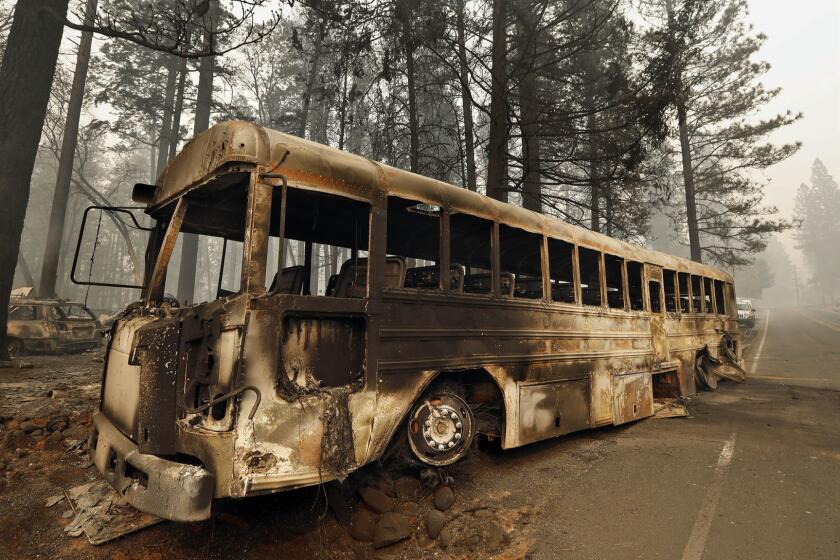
(26, 76)
(688, 180)
(685, 145)
(529, 111)
(311, 78)
(55, 230)
(24, 269)
(406, 19)
(165, 137)
(204, 98)
(175, 134)
(466, 99)
(497, 156)
(594, 177)
(413, 126)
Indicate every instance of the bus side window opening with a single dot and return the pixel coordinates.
(470, 246)
(325, 249)
(615, 281)
(669, 276)
(707, 295)
(720, 300)
(590, 276)
(685, 297)
(696, 303)
(655, 297)
(520, 257)
(635, 283)
(414, 236)
(561, 270)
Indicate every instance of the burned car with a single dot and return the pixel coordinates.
(51, 325)
(746, 313)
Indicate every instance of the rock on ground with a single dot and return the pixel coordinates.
(444, 498)
(435, 520)
(391, 528)
(407, 487)
(377, 500)
(363, 525)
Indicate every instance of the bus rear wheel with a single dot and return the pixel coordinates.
(441, 428)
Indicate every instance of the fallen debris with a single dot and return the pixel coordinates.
(669, 408)
(103, 514)
(52, 500)
(707, 368)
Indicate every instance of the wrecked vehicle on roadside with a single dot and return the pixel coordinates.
(51, 325)
(356, 308)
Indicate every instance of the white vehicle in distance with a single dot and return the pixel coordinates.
(746, 313)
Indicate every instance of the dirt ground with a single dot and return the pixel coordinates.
(635, 491)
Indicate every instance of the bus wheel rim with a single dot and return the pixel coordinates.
(440, 430)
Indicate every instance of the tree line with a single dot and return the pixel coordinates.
(605, 113)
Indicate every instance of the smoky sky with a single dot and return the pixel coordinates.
(803, 48)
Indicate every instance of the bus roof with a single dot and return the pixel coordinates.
(303, 163)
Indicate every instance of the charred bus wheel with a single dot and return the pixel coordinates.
(440, 428)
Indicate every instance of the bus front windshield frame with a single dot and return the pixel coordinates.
(216, 215)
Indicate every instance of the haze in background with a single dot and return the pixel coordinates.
(803, 49)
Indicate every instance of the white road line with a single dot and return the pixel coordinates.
(700, 532)
(757, 356)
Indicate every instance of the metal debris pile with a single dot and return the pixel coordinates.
(101, 513)
(708, 369)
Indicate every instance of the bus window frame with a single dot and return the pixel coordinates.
(680, 295)
(628, 262)
(543, 261)
(676, 283)
(662, 310)
(447, 215)
(576, 289)
(601, 278)
(699, 296)
(710, 308)
(623, 274)
(443, 258)
(720, 306)
(263, 223)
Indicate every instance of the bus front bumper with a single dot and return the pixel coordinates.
(168, 489)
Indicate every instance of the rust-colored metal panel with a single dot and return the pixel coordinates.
(632, 397)
(553, 409)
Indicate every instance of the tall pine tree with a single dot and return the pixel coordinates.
(818, 209)
(703, 57)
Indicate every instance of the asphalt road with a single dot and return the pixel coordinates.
(753, 474)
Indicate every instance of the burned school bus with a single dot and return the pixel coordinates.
(449, 316)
